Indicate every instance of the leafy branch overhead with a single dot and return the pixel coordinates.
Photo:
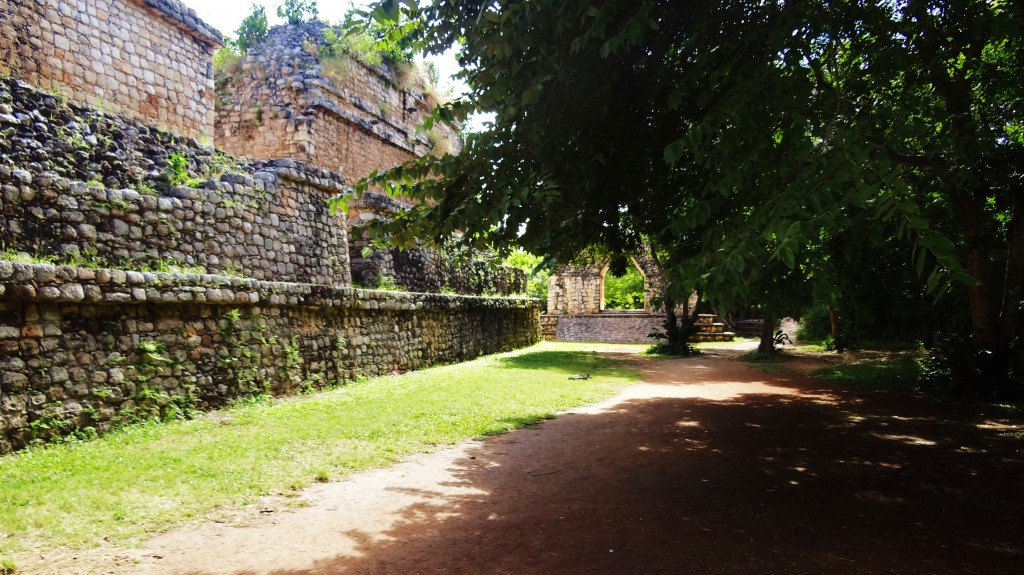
(737, 137)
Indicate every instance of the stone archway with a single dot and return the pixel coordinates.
(579, 289)
(648, 298)
(576, 304)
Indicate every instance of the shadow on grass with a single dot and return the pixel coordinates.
(570, 362)
(902, 376)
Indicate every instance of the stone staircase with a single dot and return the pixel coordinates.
(712, 328)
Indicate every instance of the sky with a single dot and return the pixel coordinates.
(227, 15)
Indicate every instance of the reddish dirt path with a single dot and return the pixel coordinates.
(709, 467)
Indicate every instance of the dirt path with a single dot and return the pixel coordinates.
(708, 467)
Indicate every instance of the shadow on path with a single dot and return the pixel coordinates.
(792, 478)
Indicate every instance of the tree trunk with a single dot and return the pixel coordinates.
(1009, 315)
(676, 338)
(984, 315)
(767, 344)
(837, 335)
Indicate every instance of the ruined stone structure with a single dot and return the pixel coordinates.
(421, 269)
(145, 59)
(145, 275)
(576, 307)
(88, 348)
(579, 288)
(290, 100)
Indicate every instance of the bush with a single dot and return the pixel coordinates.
(298, 11)
(253, 29)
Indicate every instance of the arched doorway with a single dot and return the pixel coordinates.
(625, 292)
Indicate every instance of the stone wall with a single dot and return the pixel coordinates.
(286, 100)
(146, 59)
(84, 349)
(272, 224)
(625, 327)
(579, 288)
(576, 289)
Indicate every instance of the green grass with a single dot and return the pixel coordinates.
(901, 375)
(149, 477)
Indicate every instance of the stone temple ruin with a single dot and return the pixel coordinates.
(576, 309)
(147, 274)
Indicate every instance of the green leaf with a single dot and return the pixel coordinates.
(676, 150)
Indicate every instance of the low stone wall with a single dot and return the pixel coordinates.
(148, 59)
(605, 326)
(84, 349)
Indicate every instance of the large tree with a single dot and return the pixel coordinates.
(734, 135)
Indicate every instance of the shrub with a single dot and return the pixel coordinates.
(253, 29)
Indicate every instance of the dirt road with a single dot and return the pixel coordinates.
(708, 467)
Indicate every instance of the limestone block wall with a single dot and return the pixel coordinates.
(575, 290)
(284, 102)
(272, 225)
(605, 326)
(84, 349)
(146, 59)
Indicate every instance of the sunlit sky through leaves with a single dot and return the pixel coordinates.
(227, 15)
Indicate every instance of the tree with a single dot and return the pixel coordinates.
(253, 29)
(734, 136)
(298, 11)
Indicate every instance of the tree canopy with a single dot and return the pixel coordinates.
(743, 139)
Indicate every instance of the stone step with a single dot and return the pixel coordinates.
(718, 336)
(712, 328)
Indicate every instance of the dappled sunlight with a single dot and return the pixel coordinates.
(707, 471)
(908, 439)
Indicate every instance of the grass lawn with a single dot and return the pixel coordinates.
(149, 477)
(902, 374)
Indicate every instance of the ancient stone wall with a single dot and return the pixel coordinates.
(287, 100)
(576, 289)
(273, 224)
(84, 349)
(124, 332)
(624, 327)
(146, 59)
(421, 269)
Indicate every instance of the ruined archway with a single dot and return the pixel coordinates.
(578, 288)
(576, 310)
(625, 292)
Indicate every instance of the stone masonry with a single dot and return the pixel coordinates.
(285, 102)
(82, 350)
(272, 224)
(145, 59)
(576, 311)
(118, 335)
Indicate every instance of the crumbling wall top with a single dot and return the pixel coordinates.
(186, 18)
